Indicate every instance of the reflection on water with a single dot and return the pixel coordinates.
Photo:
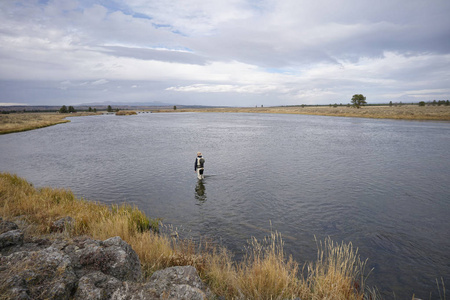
(200, 193)
(381, 184)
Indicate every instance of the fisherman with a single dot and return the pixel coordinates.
(199, 166)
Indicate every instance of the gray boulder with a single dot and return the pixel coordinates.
(43, 274)
(97, 286)
(112, 257)
(178, 283)
(11, 238)
(7, 226)
(125, 263)
(83, 268)
(171, 283)
(62, 224)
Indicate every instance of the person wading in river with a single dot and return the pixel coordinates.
(199, 165)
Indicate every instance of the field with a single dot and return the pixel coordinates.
(404, 112)
(17, 122)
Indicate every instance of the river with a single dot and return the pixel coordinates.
(383, 185)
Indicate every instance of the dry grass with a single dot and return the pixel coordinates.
(17, 122)
(265, 273)
(126, 113)
(404, 112)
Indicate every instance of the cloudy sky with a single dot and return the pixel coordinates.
(223, 52)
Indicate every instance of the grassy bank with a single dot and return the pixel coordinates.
(265, 273)
(126, 113)
(403, 112)
(18, 122)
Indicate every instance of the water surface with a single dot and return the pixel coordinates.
(381, 184)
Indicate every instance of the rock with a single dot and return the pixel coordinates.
(62, 224)
(7, 226)
(97, 286)
(112, 257)
(125, 263)
(178, 283)
(43, 274)
(83, 268)
(11, 238)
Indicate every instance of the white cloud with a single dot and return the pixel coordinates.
(100, 82)
(12, 104)
(226, 88)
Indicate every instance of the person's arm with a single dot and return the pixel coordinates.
(195, 165)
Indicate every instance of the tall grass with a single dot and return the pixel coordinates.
(264, 273)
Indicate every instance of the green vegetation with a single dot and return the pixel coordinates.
(265, 273)
(358, 100)
(65, 110)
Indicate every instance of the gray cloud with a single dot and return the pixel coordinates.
(253, 52)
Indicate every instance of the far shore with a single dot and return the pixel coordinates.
(17, 122)
(403, 112)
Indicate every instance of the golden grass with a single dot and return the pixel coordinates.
(17, 122)
(265, 273)
(403, 112)
(126, 113)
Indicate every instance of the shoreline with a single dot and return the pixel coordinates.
(19, 122)
(403, 112)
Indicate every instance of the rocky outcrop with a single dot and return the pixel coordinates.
(83, 268)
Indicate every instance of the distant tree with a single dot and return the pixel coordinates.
(358, 100)
(63, 110)
(422, 103)
(390, 103)
(109, 109)
(95, 110)
(434, 102)
(447, 103)
(72, 109)
(90, 109)
(174, 107)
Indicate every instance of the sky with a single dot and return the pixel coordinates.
(223, 53)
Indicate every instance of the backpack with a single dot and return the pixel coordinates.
(201, 162)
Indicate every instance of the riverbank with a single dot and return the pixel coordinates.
(265, 273)
(402, 112)
(17, 122)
